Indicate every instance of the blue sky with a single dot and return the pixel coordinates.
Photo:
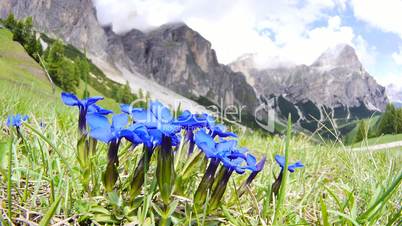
(277, 32)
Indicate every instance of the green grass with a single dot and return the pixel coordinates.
(373, 125)
(388, 138)
(342, 187)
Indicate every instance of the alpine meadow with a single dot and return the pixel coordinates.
(145, 126)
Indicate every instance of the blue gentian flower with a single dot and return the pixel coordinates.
(95, 109)
(157, 116)
(255, 169)
(190, 122)
(233, 161)
(128, 109)
(220, 130)
(291, 167)
(213, 151)
(113, 133)
(16, 120)
(83, 105)
(158, 120)
(208, 145)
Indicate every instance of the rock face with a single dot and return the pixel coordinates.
(335, 85)
(179, 58)
(173, 55)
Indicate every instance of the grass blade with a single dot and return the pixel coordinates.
(9, 174)
(282, 190)
(324, 212)
(49, 214)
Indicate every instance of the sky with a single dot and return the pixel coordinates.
(290, 31)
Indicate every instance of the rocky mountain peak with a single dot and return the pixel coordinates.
(340, 56)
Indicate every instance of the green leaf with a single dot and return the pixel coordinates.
(282, 189)
(49, 214)
(171, 208)
(115, 199)
(395, 184)
(324, 212)
(3, 155)
(107, 219)
(99, 209)
(158, 210)
(345, 217)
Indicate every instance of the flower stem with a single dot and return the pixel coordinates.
(206, 183)
(282, 189)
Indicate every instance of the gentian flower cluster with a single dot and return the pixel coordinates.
(230, 158)
(158, 132)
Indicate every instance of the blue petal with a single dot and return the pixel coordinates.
(176, 139)
(10, 121)
(231, 162)
(138, 127)
(130, 136)
(143, 116)
(294, 166)
(209, 151)
(251, 160)
(161, 112)
(226, 145)
(168, 129)
(70, 99)
(156, 137)
(97, 109)
(220, 130)
(97, 121)
(102, 134)
(91, 100)
(260, 164)
(141, 131)
(185, 116)
(119, 121)
(205, 143)
(280, 160)
(125, 108)
(291, 167)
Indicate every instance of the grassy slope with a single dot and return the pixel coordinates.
(351, 176)
(373, 125)
(17, 69)
(388, 138)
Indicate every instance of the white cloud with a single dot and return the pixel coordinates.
(397, 56)
(390, 79)
(385, 14)
(234, 27)
(367, 54)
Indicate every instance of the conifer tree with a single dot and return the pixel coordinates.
(388, 120)
(362, 131)
(10, 22)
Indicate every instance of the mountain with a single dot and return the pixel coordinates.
(175, 62)
(335, 86)
(172, 56)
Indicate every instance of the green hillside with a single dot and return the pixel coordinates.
(20, 71)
